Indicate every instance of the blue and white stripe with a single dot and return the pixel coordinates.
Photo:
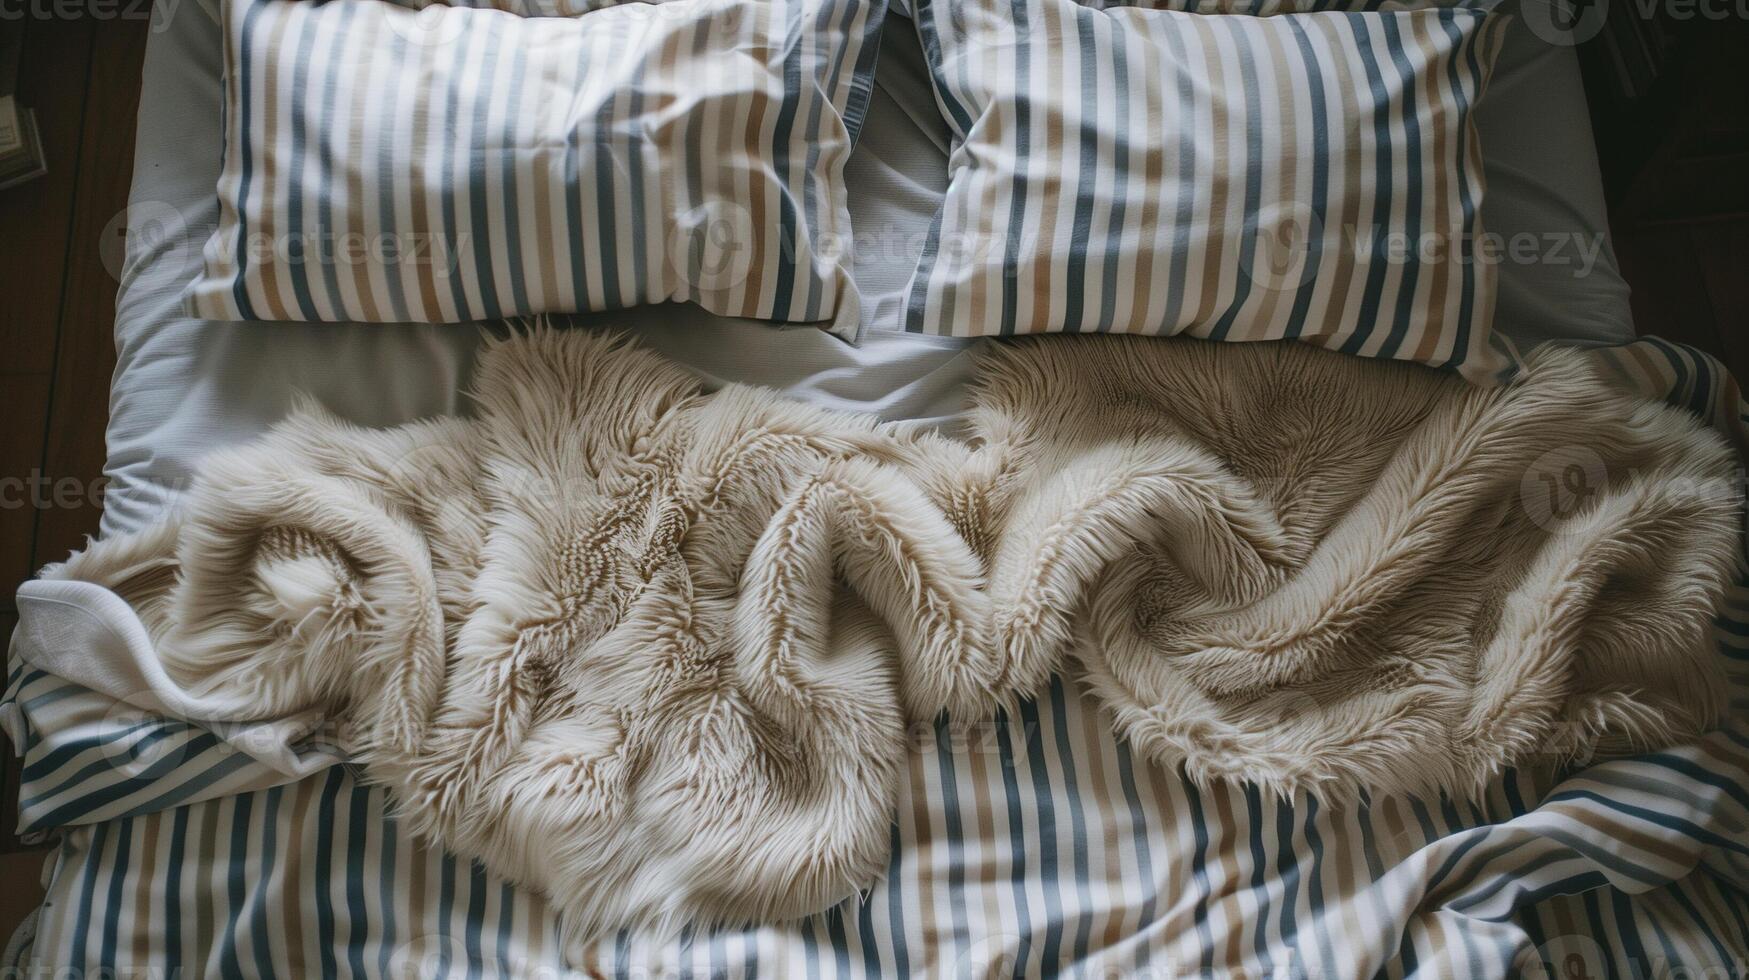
(1131, 168)
(389, 162)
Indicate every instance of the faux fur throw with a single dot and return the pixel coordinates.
(654, 650)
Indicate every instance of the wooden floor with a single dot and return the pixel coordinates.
(57, 307)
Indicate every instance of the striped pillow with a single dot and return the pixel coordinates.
(454, 163)
(1137, 169)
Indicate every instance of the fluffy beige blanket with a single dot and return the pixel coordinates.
(654, 650)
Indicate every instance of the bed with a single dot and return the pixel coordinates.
(1031, 845)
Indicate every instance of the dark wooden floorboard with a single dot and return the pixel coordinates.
(74, 453)
(56, 77)
(38, 216)
(21, 452)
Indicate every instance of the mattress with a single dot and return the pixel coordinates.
(1024, 846)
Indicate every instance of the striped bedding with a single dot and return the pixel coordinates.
(458, 162)
(1125, 167)
(1024, 847)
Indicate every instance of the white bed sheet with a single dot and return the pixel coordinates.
(184, 386)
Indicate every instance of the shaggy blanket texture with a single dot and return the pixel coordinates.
(655, 650)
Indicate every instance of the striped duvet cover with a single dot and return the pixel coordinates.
(1028, 846)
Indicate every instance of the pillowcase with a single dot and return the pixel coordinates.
(1136, 169)
(452, 163)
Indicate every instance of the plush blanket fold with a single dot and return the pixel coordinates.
(1312, 571)
(654, 650)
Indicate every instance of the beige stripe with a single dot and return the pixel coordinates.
(922, 845)
(292, 897)
(1434, 102)
(208, 872)
(718, 134)
(1122, 250)
(244, 938)
(368, 37)
(1719, 908)
(272, 194)
(986, 252)
(1561, 910)
(592, 960)
(1268, 301)
(1439, 947)
(759, 116)
(536, 922)
(1642, 356)
(1109, 810)
(1048, 186)
(1224, 887)
(417, 858)
(1153, 287)
(768, 242)
(428, 308)
(668, 196)
(1719, 750)
(1218, 175)
(1170, 850)
(1625, 832)
(1702, 891)
(984, 877)
(675, 200)
(146, 924)
(1001, 182)
(1349, 860)
(546, 169)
